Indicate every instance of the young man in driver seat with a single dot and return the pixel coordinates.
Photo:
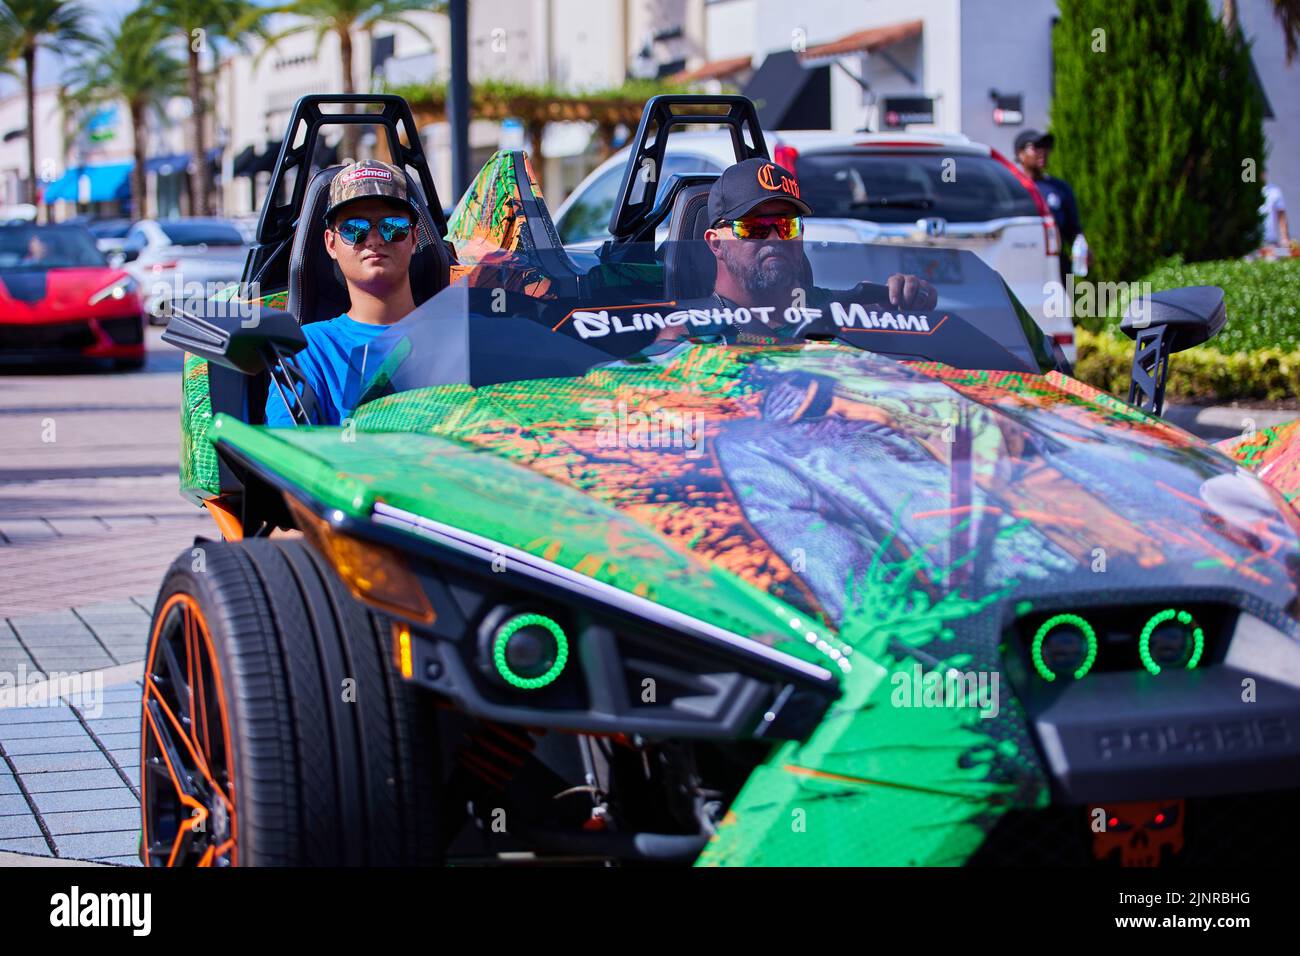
(371, 232)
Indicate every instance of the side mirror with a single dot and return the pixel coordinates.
(1161, 324)
(129, 253)
(220, 332)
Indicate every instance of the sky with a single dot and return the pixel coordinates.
(49, 67)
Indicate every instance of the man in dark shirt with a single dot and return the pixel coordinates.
(756, 238)
(1032, 151)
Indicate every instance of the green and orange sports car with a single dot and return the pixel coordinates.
(575, 583)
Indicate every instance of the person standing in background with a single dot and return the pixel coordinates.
(1032, 151)
(1273, 211)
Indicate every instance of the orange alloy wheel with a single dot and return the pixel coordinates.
(187, 785)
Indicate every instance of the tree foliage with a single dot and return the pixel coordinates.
(1158, 128)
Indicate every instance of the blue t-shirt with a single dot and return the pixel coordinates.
(336, 352)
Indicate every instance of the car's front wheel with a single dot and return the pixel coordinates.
(275, 729)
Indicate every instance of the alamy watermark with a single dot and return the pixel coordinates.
(209, 299)
(1084, 299)
(22, 688)
(620, 427)
(950, 687)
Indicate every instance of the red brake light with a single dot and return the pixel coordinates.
(786, 155)
(1051, 235)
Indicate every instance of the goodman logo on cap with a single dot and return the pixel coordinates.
(767, 174)
(367, 172)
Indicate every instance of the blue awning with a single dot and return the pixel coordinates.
(165, 165)
(108, 182)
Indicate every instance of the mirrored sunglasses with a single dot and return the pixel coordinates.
(760, 227)
(391, 229)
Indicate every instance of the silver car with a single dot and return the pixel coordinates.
(178, 260)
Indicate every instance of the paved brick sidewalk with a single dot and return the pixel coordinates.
(76, 555)
(70, 777)
(76, 639)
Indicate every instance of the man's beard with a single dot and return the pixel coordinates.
(762, 274)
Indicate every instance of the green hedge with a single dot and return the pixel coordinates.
(1199, 374)
(1256, 356)
(1262, 298)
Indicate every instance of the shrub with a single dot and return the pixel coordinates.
(1200, 374)
(1157, 124)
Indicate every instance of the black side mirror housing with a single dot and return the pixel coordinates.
(1163, 323)
(225, 333)
(1191, 315)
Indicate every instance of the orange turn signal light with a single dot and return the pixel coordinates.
(374, 573)
(402, 649)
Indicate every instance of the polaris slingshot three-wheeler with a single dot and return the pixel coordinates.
(574, 583)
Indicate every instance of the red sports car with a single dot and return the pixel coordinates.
(60, 300)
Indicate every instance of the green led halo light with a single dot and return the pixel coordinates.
(1171, 614)
(1036, 649)
(508, 630)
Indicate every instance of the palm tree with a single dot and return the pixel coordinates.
(203, 23)
(132, 64)
(27, 26)
(342, 17)
(1287, 14)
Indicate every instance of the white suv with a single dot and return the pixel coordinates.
(914, 188)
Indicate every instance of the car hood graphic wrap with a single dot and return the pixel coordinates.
(876, 517)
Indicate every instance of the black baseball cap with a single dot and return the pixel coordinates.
(748, 184)
(1027, 136)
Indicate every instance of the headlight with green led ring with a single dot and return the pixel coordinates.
(1067, 641)
(1171, 638)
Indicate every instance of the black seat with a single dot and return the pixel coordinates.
(316, 287)
(689, 268)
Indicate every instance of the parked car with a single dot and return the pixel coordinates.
(168, 256)
(923, 189)
(60, 300)
(110, 234)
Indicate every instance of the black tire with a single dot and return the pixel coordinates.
(320, 776)
(129, 364)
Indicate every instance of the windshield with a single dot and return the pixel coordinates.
(516, 320)
(47, 247)
(903, 187)
(190, 233)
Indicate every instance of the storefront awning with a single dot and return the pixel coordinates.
(249, 162)
(790, 95)
(167, 165)
(714, 70)
(864, 41)
(107, 182)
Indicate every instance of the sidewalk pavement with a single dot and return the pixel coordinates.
(70, 776)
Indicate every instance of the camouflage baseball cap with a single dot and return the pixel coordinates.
(365, 179)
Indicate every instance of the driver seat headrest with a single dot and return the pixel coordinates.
(689, 267)
(317, 290)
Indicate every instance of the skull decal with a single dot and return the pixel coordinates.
(1139, 832)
